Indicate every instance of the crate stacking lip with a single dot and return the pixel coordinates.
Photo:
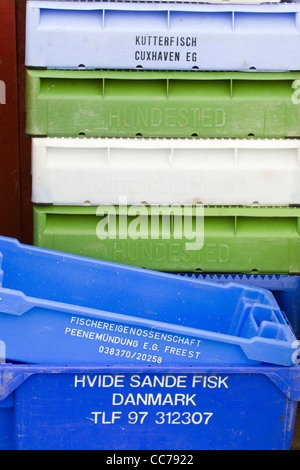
(248, 240)
(215, 324)
(286, 290)
(84, 171)
(169, 36)
(118, 103)
(125, 407)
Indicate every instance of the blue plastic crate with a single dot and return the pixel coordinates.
(61, 308)
(165, 36)
(147, 408)
(285, 288)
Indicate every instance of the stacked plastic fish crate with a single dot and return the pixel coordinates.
(165, 136)
(193, 108)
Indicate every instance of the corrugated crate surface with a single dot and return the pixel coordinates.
(110, 103)
(212, 239)
(99, 171)
(181, 36)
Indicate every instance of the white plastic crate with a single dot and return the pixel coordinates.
(84, 171)
(163, 36)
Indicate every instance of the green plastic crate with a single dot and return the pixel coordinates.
(162, 104)
(236, 239)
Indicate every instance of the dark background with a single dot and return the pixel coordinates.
(15, 146)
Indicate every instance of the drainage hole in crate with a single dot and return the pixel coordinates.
(194, 134)
(82, 134)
